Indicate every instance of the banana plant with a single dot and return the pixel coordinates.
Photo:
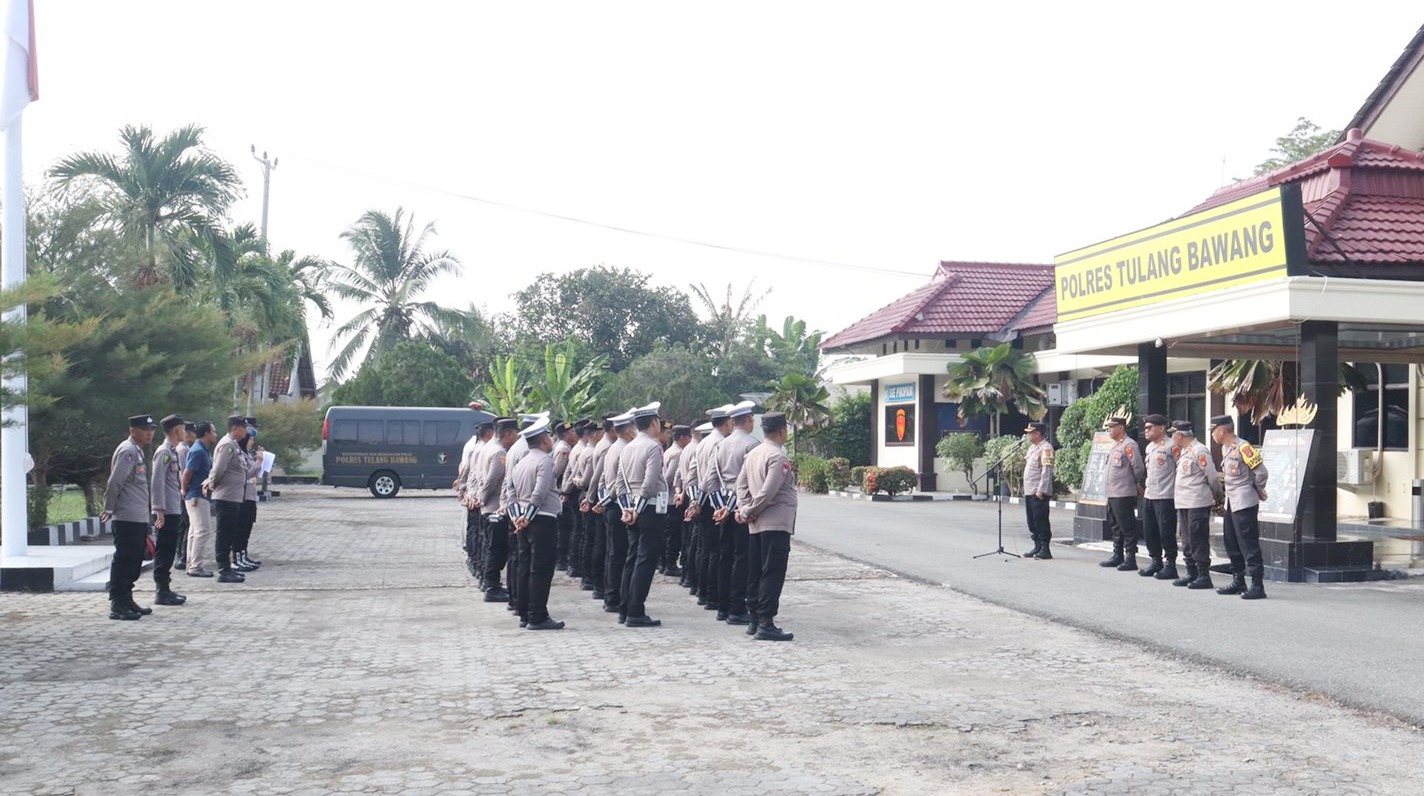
(568, 393)
(508, 390)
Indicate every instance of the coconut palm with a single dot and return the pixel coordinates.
(726, 324)
(390, 270)
(165, 192)
(1263, 387)
(803, 400)
(989, 381)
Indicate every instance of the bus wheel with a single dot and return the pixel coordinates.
(384, 484)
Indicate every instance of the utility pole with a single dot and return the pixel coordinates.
(268, 164)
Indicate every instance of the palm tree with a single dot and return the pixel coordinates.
(990, 381)
(1263, 387)
(167, 193)
(803, 400)
(727, 324)
(390, 270)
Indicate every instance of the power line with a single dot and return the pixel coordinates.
(616, 228)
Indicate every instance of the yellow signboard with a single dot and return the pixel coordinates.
(1245, 241)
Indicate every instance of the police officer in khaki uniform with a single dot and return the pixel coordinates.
(685, 495)
(166, 495)
(227, 484)
(1245, 476)
(613, 490)
(1159, 512)
(571, 490)
(491, 465)
(735, 550)
(1038, 490)
(1194, 493)
(564, 438)
(126, 504)
(593, 508)
(1125, 479)
(766, 502)
(708, 531)
(534, 512)
(644, 514)
(672, 462)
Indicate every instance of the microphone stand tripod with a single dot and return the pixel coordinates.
(1002, 493)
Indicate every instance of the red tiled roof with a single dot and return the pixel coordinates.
(1364, 202)
(281, 376)
(1041, 314)
(961, 298)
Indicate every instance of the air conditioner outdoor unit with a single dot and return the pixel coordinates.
(1353, 466)
(1062, 393)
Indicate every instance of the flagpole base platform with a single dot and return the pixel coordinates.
(48, 569)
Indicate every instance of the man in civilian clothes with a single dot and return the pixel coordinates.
(190, 436)
(534, 511)
(195, 500)
(226, 485)
(166, 496)
(126, 503)
(1159, 512)
(766, 502)
(1126, 475)
(735, 550)
(645, 516)
(1038, 490)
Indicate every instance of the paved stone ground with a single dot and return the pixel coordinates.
(359, 660)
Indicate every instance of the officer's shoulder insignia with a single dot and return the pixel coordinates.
(786, 465)
(1202, 460)
(1047, 458)
(1176, 451)
(1250, 455)
(1130, 449)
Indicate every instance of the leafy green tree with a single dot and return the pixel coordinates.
(291, 431)
(991, 381)
(1085, 417)
(803, 400)
(410, 374)
(727, 322)
(1304, 140)
(1013, 467)
(850, 433)
(959, 451)
(391, 268)
(167, 193)
(616, 311)
(674, 375)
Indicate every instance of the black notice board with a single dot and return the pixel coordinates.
(1095, 475)
(1285, 452)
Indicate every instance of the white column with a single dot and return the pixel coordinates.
(14, 438)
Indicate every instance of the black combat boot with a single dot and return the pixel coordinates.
(770, 632)
(495, 594)
(119, 609)
(1238, 584)
(1203, 578)
(1257, 590)
(1152, 569)
(1116, 559)
(1046, 554)
(1037, 548)
(754, 626)
(1190, 576)
(1129, 563)
(1168, 571)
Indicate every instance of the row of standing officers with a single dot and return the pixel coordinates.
(1177, 483)
(613, 502)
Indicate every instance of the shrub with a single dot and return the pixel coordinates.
(894, 480)
(811, 473)
(1085, 416)
(960, 450)
(857, 475)
(838, 473)
(1012, 472)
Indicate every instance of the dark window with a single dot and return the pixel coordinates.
(370, 432)
(343, 431)
(402, 432)
(1186, 398)
(951, 343)
(975, 343)
(897, 347)
(917, 345)
(440, 433)
(884, 349)
(1396, 407)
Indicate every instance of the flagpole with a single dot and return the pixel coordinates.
(14, 437)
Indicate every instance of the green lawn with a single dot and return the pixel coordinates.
(66, 506)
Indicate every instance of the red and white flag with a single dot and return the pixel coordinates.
(21, 76)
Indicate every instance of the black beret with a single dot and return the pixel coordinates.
(1183, 427)
(1155, 420)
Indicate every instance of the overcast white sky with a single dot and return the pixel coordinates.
(888, 135)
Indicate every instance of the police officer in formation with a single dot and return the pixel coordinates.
(228, 485)
(1126, 476)
(1159, 511)
(633, 485)
(166, 497)
(127, 505)
(1245, 477)
(1196, 489)
(1038, 490)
